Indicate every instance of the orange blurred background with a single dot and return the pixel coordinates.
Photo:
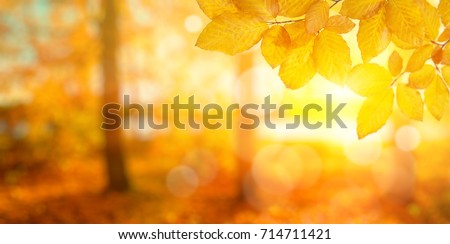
(52, 161)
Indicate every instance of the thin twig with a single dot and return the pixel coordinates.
(297, 20)
(397, 78)
(435, 42)
(335, 3)
(445, 43)
(442, 45)
(437, 67)
(284, 22)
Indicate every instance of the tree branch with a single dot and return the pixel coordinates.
(335, 3)
(397, 78)
(442, 45)
(445, 43)
(297, 20)
(284, 22)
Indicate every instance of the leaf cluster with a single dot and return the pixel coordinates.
(304, 38)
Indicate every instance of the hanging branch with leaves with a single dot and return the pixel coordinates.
(302, 39)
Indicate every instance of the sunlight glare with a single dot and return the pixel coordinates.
(407, 138)
(363, 152)
(193, 24)
(262, 82)
(182, 181)
(204, 163)
(394, 174)
(277, 169)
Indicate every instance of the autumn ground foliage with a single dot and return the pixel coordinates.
(304, 38)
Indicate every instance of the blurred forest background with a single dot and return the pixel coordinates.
(58, 67)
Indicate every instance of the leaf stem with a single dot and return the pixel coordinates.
(435, 42)
(445, 43)
(397, 78)
(437, 67)
(284, 22)
(335, 3)
(442, 45)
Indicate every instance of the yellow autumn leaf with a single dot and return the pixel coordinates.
(406, 21)
(446, 74)
(332, 56)
(368, 79)
(214, 8)
(266, 9)
(317, 16)
(445, 35)
(340, 24)
(298, 68)
(437, 97)
(444, 12)
(302, 40)
(422, 79)
(431, 18)
(232, 33)
(419, 57)
(437, 55)
(446, 56)
(410, 102)
(375, 112)
(395, 63)
(361, 9)
(296, 29)
(294, 8)
(299, 36)
(275, 45)
(373, 36)
(401, 44)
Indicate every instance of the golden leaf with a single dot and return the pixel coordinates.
(332, 56)
(361, 9)
(275, 45)
(369, 79)
(410, 102)
(446, 74)
(302, 40)
(298, 68)
(401, 44)
(431, 19)
(445, 35)
(232, 33)
(294, 8)
(437, 55)
(296, 29)
(437, 97)
(373, 36)
(340, 24)
(375, 112)
(419, 57)
(214, 8)
(266, 9)
(395, 63)
(444, 12)
(317, 16)
(406, 21)
(422, 79)
(446, 56)
(298, 34)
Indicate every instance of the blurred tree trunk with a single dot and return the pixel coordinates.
(114, 155)
(245, 139)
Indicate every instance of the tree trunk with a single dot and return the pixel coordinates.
(114, 155)
(245, 139)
